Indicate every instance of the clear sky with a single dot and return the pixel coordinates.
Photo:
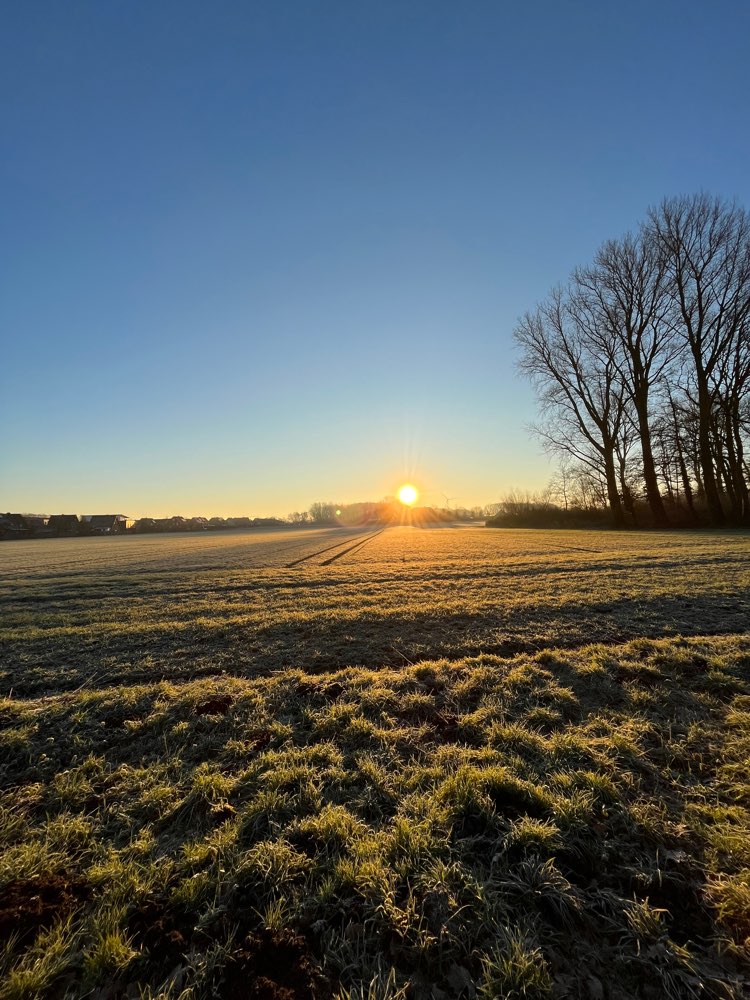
(260, 254)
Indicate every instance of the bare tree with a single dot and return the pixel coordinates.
(679, 423)
(642, 365)
(578, 386)
(705, 245)
(622, 298)
(560, 486)
(732, 387)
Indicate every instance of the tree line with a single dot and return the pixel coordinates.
(641, 364)
(385, 511)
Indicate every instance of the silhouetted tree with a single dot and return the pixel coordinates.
(299, 517)
(642, 365)
(578, 386)
(705, 245)
(623, 296)
(323, 513)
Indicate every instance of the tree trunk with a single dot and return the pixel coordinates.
(737, 451)
(713, 500)
(613, 494)
(687, 488)
(654, 497)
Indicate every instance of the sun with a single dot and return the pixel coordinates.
(408, 495)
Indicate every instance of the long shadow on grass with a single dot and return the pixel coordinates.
(370, 640)
(631, 733)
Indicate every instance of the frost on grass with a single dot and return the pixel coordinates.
(566, 823)
(184, 607)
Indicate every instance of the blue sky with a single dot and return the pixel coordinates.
(260, 254)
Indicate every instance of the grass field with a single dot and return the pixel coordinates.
(447, 762)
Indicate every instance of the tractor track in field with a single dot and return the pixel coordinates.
(357, 545)
(328, 548)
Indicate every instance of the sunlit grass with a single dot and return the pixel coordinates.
(440, 767)
(413, 822)
(406, 595)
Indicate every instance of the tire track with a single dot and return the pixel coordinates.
(574, 548)
(320, 552)
(358, 545)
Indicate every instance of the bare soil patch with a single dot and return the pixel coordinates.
(30, 905)
(274, 965)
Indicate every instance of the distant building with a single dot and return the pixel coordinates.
(36, 521)
(64, 524)
(13, 526)
(164, 524)
(239, 522)
(108, 524)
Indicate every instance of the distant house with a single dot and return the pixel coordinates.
(13, 526)
(64, 524)
(36, 521)
(107, 524)
(198, 523)
(145, 524)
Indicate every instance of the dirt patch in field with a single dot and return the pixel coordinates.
(30, 905)
(215, 706)
(274, 966)
(687, 917)
(447, 727)
(163, 933)
(114, 721)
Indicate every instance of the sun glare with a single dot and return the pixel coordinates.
(408, 495)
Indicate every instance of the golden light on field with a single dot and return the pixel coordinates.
(408, 495)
